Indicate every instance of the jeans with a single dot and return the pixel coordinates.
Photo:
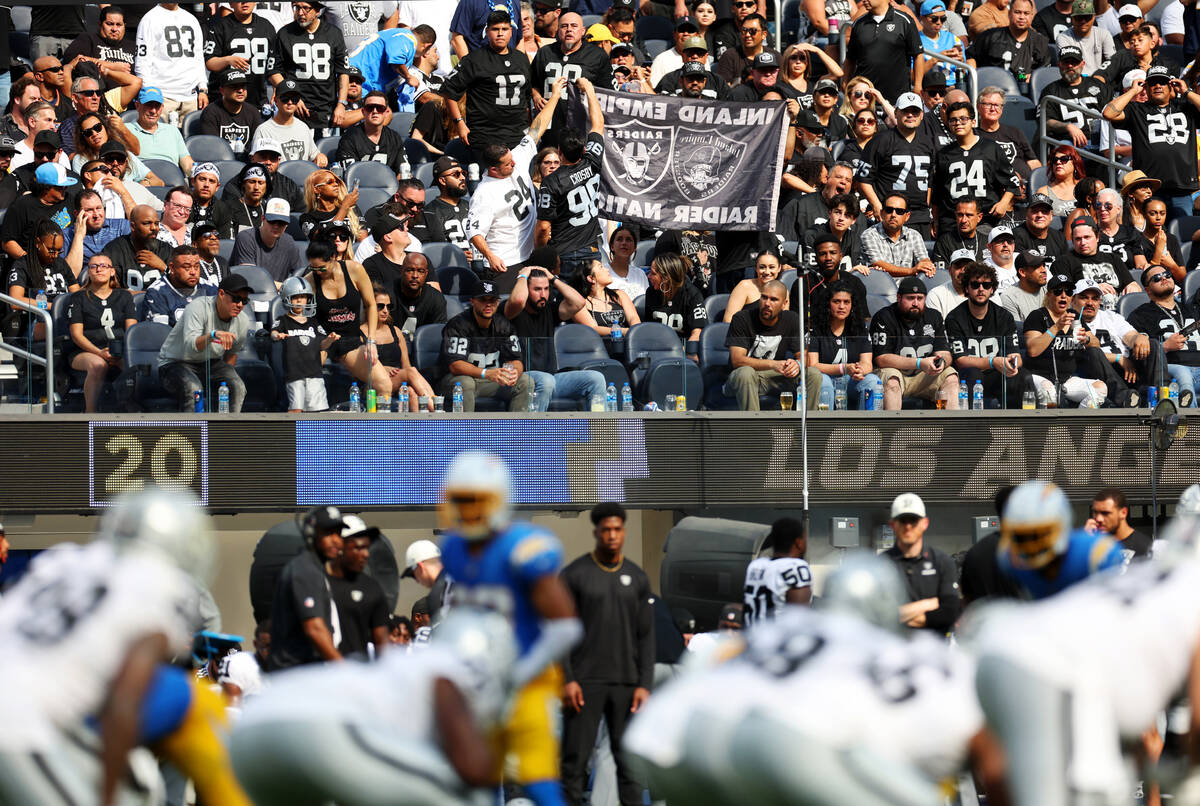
(576, 264)
(518, 395)
(5, 86)
(854, 389)
(1179, 206)
(580, 384)
(184, 379)
(1188, 379)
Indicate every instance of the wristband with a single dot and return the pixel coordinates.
(458, 120)
(843, 368)
(991, 362)
(1051, 333)
(213, 335)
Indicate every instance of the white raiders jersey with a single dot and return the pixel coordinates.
(502, 210)
(395, 693)
(835, 679)
(66, 627)
(768, 582)
(1126, 638)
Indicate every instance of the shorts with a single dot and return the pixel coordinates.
(528, 741)
(921, 384)
(307, 394)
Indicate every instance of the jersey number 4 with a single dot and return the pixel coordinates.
(966, 179)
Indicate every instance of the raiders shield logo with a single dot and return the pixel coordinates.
(636, 155)
(356, 595)
(359, 12)
(305, 340)
(891, 26)
(704, 162)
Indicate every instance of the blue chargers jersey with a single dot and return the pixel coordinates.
(372, 57)
(1086, 554)
(499, 577)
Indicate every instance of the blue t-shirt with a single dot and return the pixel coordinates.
(374, 56)
(470, 20)
(499, 577)
(1086, 554)
(94, 242)
(943, 43)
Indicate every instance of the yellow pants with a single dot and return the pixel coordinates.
(528, 741)
(197, 748)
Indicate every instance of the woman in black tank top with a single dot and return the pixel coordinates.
(604, 307)
(393, 354)
(344, 303)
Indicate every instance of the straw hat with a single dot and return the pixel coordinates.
(1135, 179)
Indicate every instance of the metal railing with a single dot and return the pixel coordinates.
(48, 360)
(972, 74)
(1047, 141)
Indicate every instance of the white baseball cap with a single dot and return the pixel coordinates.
(961, 254)
(908, 504)
(1129, 10)
(419, 552)
(999, 232)
(1132, 76)
(910, 100)
(278, 210)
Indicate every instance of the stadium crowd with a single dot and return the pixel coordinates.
(430, 173)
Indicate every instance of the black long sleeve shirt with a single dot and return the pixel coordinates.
(932, 573)
(615, 607)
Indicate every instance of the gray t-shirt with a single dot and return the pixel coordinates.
(199, 317)
(281, 261)
(1020, 303)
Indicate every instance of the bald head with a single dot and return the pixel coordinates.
(570, 30)
(415, 260)
(956, 96)
(776, 287)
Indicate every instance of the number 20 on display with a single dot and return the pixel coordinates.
(130, 456)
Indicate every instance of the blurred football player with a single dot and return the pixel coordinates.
(819, 707)
(512, 568)
(781, 579)
(406, 731)
(1066, 681)
(84, 642)
(1039, 549)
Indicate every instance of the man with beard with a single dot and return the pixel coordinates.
(1085, 261)
(984, 342)
(1036, 235)
(446, 216)
(170, 294)
(832, 266)
(759, 340)
(1070, 124)
(1162, 319)
(316, 50)
(213, 267)
(964, 235)
(361, 605)
(568, 56)
(1057, 351)
(1134, 359)
(234, 118)
(206, 207)
(535, 313)
(481, 351)
(1028, 294)
(900, 160)
(805, 212)
(1000, 255)
(911, 351)
(140, 257)
(948, 296)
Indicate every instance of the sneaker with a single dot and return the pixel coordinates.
(1135, 399)
(1186, 398)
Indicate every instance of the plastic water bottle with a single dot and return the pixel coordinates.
(223, 398)
(403, 396)
(977, 396)
(877, 399)
(610, 397)
(456, 399)
(626, 398)
(962, 394)
(355, 398)
(1173, 391)
(618, 340)
(839, 399)
(42, 302)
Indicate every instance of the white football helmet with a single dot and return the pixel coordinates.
(1189, 502)
(484, 643)
(867, 586)
(1036, 524)
(476, 495)
(169, 523)
(298, 287)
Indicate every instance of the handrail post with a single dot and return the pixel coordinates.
(48, 360)
(972, 73)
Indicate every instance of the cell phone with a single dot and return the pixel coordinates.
(1190, 329)
(356, 181)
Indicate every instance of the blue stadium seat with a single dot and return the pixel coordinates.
(329, 145)
(297, 170)
(788, 278)
(1191, 286)
(160, 193)
(715, 305)
(646, 343)
(715, 366)
(369, 197)
(191, 126)
(674, 376)
(1184, 227)
(998, 77)
(416, 152)
(940, 277)
(424, 172)
(263, 291)
(226, 248)
(443, 254)
(876, 303)
(456, 148)
(168, 172)
(139, 307)
(402, 122)
(454, 306)
(228, 170)
(654, 27)
(639, 305)
(642, 254)
(427, 345)
(880, 282)
(1021, 113)
(142, 387)
(371, 175)
(1128, 303)
(1041, 78)
(456, 282)
(262, 388)
(69, 381)
(577, 346)
(209, 148)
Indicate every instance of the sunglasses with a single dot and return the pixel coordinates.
(936, 92)
(115, 158)
(895, 210)
(865, 122)
(1060, 291)
(99, 127)
(941, 18)
(88, 93)
(979, 284)
(239, 300)
(98, 169)
(860, 94)
(746, 5)
(375, 109)
(341, 236)
(1158, 278)
(751, 31)
(58, 69)
(43, 155)
(1103, 205)
(1158, 82)
(1061, 160)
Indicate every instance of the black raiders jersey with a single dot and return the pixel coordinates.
(497, 87)
(103, 320)
(314, 61)
(447, 222)
(891, 334)
(1090, 92)
(1158, 323)
(568, 200)
(1164, 143)
(1064, 353)
(980, 172)
(895, 165)
(464, 340)
(253, 41)
(993, 335)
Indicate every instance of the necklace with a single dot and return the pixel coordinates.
(606, 568)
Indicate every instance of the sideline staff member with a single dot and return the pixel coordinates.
(929, 574)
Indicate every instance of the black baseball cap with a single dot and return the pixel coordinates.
(232, 77)
(8, 145)
(202, 229)
(287, 87)
(445, 165)
(734, 614)
(910, 285)
(620, 46)
(1158, 74)
(383, 225)
(1041, 200)
(934, 78)
(766, 60)
(49, 138)
(234, 283)
(1060, 281)
(686, 22)
(1030, 259)
(693, 69)
(1070, 52)
(354, 74)
(807, 119)
(111, 147)
(485, 288)
(630, 5)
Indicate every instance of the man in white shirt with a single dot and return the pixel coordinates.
(40, 117)
(948, 296)
(170, 47)
(294, 136)
(1001, 248)
(502, 219)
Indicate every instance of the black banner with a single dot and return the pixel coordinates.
(684, 163)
